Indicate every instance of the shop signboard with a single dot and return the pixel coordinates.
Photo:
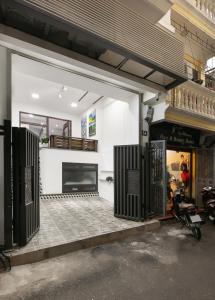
(176, 135)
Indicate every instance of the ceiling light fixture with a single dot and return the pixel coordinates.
(35, 95)
(74, 104)
(31, 116)
(64, 88)
(60, 96)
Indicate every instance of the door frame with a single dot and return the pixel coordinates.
(164, 177)
(5, 131)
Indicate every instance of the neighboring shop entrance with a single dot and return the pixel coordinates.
(172, 164)
(180, 174)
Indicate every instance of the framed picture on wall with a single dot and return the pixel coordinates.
(92, 123)
(84, 127)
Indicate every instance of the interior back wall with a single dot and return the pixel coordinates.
(117, 123)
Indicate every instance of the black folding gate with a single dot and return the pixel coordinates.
(5, 131)
(157, 173)
(25, 185)
(128, 178)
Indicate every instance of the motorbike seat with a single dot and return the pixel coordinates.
(184, 205)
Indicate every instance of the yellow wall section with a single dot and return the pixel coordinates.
(190, 121)
(196, 64)
(180, 9)
(194, 61)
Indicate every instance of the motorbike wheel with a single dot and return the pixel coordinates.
(197, 233)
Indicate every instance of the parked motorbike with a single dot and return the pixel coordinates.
(186, 213)
(208, 200)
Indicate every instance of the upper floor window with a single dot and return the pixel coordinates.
(44, 126)
(210, 65)
(210, 74)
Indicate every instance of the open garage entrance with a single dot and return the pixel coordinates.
(77, 121)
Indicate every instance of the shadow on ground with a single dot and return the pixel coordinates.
(165, 264)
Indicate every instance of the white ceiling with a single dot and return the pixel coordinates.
(24, 85)
(30, 76)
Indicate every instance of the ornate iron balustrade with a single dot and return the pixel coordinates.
(194, 98)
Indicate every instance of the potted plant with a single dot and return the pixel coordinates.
(45, 142)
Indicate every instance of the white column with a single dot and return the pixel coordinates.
(4, 114)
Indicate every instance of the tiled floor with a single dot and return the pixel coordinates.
(72, 219)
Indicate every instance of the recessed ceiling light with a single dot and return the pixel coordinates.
(59, 95)
(35, 95)
(64, 88)
(56, 125)
(74, 104)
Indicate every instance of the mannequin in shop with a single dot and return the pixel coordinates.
(185, 177)
(184, 163)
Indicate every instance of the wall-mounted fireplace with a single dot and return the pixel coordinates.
(78, 177)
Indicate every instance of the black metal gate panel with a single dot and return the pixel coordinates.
(128, 200)
(205, 171)
(158, 185)
(6, 214)
(25, 185)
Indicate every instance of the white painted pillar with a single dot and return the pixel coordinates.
(5, 107)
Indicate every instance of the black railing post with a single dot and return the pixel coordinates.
(7, 185)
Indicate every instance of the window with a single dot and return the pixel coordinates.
(44, 126)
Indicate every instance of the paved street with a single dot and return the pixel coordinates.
(164, 264)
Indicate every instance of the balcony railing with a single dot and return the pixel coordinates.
(194, 98)
(195, 75)
(72, 143)
(206, 7)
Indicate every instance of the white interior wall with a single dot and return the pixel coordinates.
(17, 106)
(116, 124)
(119, 127)
(51, 166)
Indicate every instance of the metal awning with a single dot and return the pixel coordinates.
(103, 30)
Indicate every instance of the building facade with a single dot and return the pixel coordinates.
(132, 52)
(185, 117)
